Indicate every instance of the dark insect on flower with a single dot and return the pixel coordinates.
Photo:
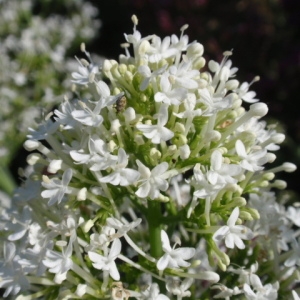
(121, 104)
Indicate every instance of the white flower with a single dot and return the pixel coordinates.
(184, 76)
(265, 292)
(221, 173)
(233, 234)
(251, 161)
(294, 215)
(64, 115)
(226, 292)
(12, 276)
(213, 103)
(121, 175)
(85, 74)
(247, 96)
(203, 187)
(99, 157)
(157, 133)
(168, 94)
(226, 64)
(121, 227)
(152, 182)
(189, 108)
(152, 293)
(55, 188)
(107, 263)
(178, 288)
(173, 258)
(294, 257)
(89, 117)
(59, 263)
(160, 49)
(149, 77)
(20, 225)
(43, 131)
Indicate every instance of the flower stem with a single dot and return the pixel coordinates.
(154, 221)
(7, 182)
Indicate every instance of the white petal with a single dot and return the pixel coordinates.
(233, 217)
(238, 242)
(165, 134)
(113, 271)
(216, 160)
(229, 241)
(163, 262)
(185, 252)
(165, 241)
(103, 89)
(66, 178)
(143, 190)
(115, 248)
(240, 149)
(160, 169)
(221, 233)
(95, 257)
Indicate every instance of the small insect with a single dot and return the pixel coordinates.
(121, 104)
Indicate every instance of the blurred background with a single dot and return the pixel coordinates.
(264, 36)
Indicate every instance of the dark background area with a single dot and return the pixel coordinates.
(264, 36)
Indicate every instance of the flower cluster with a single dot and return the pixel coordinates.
(152, 184)
(35, 58)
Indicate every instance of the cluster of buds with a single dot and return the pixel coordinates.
(152, 184)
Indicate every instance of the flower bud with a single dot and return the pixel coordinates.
(254, 213)
(33, 158)
(278, 138)
(279, 184)
(245, 216)
(86, 227)
(54, 166)
(268, 176)
(129, 114)
(144, 47)
(179, 140)
(81, 196)
(289, 167)
(194, 49)
(199, 63)
(184, 152)
(31, 145)
(239, 201)
(271, 157)
(258, 109)
(232, 84)
(122, 69)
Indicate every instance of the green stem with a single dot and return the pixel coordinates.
(154, 221)
(7, 182)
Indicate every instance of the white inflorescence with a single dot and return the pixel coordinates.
(151, 186)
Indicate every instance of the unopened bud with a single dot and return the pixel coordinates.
(33, 158)
(279, 184)
(245, 215)
(81, 196)
(31, 145)
(54, 166)
(278, 138)
(258, 109)
(289, 167)
(232, 84)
